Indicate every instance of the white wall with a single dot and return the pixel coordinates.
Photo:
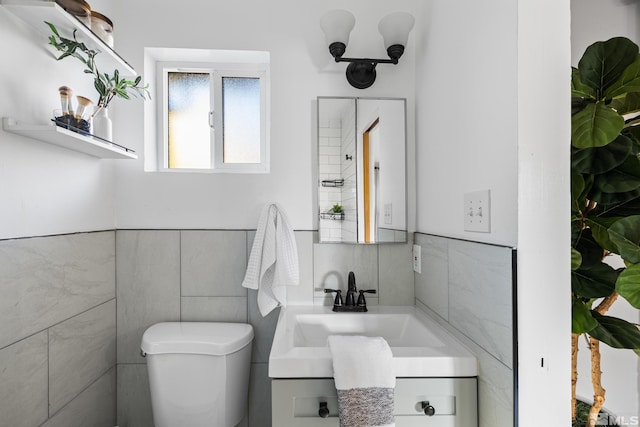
(488, 73)
(544, 312)
(591, 21)
(301, 70)
(45, 189)
(466, 112)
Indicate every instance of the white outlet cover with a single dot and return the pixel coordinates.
(417, 259)
(477, 211)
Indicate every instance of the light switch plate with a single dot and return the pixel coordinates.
(477, 211)
(388, 209)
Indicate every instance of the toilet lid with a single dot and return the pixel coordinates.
(214, 338)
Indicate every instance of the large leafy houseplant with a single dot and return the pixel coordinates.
(605, 217)
(107, 85)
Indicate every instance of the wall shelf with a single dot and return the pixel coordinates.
(36, 12)
(52, 134)
(332, 182)
(334, 216)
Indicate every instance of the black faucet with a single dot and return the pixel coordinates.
(351, 289)
(350, 305)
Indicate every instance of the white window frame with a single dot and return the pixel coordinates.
(217, 71)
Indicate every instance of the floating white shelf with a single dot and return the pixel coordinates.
(71, 140)
(36, 12)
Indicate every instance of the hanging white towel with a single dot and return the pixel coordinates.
(273, 263)
(365, 381)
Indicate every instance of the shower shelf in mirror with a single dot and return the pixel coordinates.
(87, 144)
(335, 216)
(36, 12)
(332, 182)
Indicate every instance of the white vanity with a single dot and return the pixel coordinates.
(430, 366)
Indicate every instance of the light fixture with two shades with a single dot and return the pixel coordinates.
(361, 72)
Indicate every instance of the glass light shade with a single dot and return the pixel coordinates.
(337, 26)
(395, 28)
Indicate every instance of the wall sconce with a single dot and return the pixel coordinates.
(361, 72)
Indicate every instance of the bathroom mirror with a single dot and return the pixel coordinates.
(362, 195)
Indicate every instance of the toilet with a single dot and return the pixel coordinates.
(198, 372)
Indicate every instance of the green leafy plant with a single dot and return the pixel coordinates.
(605, 209)
(108, 86)
(336, 209)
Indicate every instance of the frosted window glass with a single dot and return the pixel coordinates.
(189, 133)
(241, 121)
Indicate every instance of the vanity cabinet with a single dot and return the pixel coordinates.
(296, 402)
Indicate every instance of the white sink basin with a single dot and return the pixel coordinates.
(420, 347)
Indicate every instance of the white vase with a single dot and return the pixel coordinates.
(102, 125)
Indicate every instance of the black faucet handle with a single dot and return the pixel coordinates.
(338, 301)
(361, 301)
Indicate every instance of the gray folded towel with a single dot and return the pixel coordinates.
(364, 378)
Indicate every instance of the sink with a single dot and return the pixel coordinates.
(420, 346)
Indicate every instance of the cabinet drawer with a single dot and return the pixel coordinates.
(295, 402)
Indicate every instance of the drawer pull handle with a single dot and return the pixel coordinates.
(427, 408)
(323, 412)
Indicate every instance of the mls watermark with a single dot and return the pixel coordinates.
(618, 420)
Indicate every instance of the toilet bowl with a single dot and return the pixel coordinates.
(198, 372)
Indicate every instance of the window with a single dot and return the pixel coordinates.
(212, 115)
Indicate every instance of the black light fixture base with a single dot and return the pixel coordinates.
(336, 49)
(361, 74)
(395, 51)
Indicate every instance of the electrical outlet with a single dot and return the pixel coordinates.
(417, 259)
(477, 211)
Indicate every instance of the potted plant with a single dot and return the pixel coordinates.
(605, 217)
(107, 85)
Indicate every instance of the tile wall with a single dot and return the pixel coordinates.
(329, 169)
(191, 275)
(58, 313)
(58, 331)
(467, 287)
(348, 161)
(337, 160)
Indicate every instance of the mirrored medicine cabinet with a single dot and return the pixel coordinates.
(362, 177)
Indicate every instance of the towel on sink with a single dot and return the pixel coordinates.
(273, 263)
(364, 378)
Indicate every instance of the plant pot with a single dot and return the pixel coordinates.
(102, 125)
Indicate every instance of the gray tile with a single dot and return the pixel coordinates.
(214, 309)
(49, 279)
(259, 396)
(81, 350)
(95, 406)
(432, 285)
(333, 262)
(23, 382)
(263, 329)
(495, 391)
(303, 293)
(395, 270)
(213, 263)
(148, 291)
(134, 398)
(480, 303)
(495, 380)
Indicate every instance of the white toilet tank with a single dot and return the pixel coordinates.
(198, 372)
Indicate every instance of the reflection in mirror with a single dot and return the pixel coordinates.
(362, 170)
